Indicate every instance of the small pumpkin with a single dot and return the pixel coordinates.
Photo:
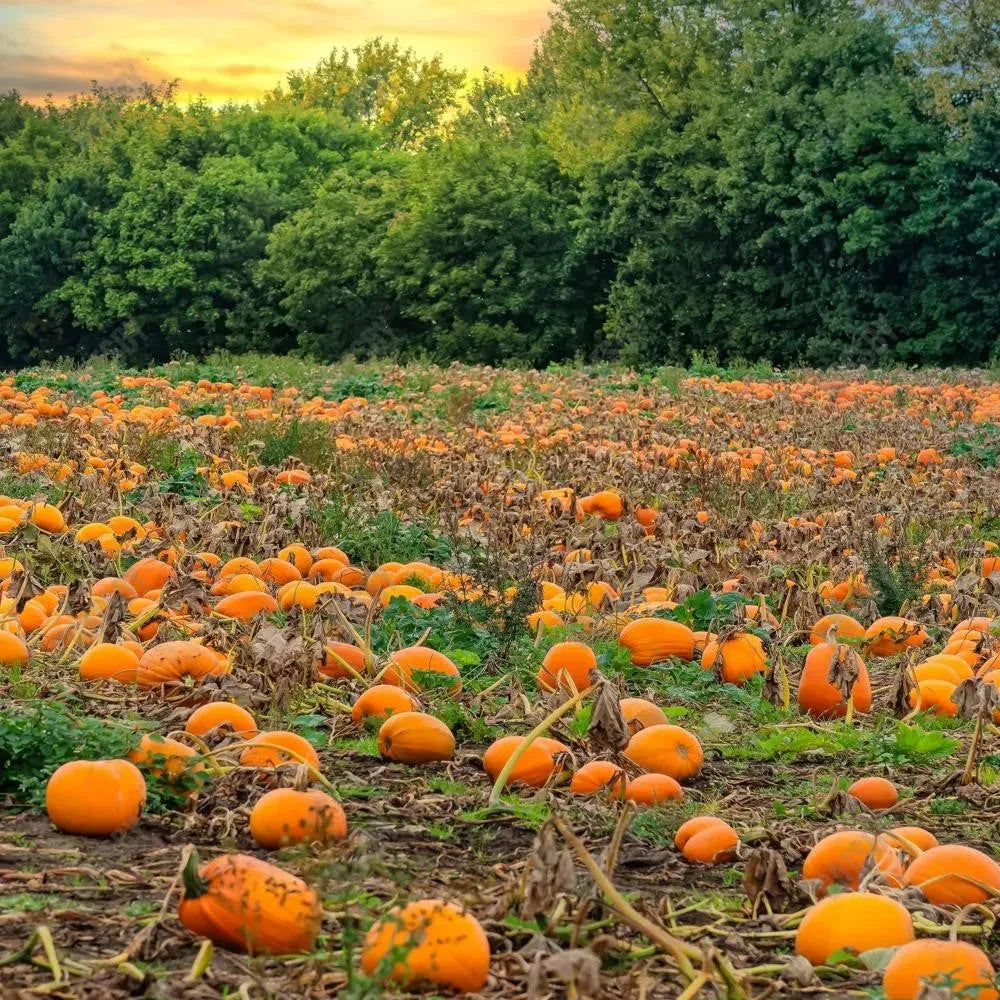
(107, 661)
(534, 768)
(245, 904)
(269, 750)
(599, 776)
(380, 701)
(221, 717)
(567, 664)
(415, 738)
(287, 816)
(668, 750)
(405, 663)
(737, 657)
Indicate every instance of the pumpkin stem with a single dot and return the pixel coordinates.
(194, 885)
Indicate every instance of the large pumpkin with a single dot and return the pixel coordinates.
(429, 942)
(415, 738)
(96, 798)
(653, 640)
(245, 904)
(171, 662)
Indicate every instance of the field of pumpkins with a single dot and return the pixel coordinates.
(376, 680)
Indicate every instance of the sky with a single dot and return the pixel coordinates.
(240, 48)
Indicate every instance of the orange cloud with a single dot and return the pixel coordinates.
(224, 49)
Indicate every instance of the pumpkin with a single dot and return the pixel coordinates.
(639, 713)
(714, 845)
(913, 840)
(653, 640)
(739, 657)
(852, 921)
(95, 798)
(246, 605)
(219, 717)
(107, 661)
(818, 695)
(245, 904)
(534, 768)
(148, 574)
(954, 875)
(890, 635)
(404, 663)
(415, 738)
(847, 628)
(338, 657)
(13, 651)
(841, 858)
(287, 816)
(428, 942)
(876, 793)
(166, 757)
(668, 750)
(692, 827)
(171, 662)
(381, 701)
(955, 967)
(269, 750)
(934, 696)
(599, 776)
(652, 789)
(566, 664)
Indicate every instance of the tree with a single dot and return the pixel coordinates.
(381, 86)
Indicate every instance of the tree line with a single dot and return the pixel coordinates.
(797, 180)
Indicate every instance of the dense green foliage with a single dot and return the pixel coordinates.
(795, 180)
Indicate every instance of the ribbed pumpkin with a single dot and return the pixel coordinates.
(415, 738)
(668, 750)
(221, 717)
(651, 789)
(742, 655)
(818, 696)
(287, 816)
(428, 942)
(641, 714)
(171, 662)
(338, 657)
(160, 756)
(245, 904)
(653, 640)
(599, 776)
(95, 798)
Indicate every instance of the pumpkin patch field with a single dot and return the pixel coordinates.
(377, 680)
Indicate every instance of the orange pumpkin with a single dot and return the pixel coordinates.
(245, 904)
(171, 662)
(405, 663)
(415, 738)
(668, 750)
(277, 747)
(287, 816)
(431, 942)
(534, 768)
(95, 798)
(653, 640)
(567, 663)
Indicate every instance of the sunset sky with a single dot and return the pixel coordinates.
(224, 48)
